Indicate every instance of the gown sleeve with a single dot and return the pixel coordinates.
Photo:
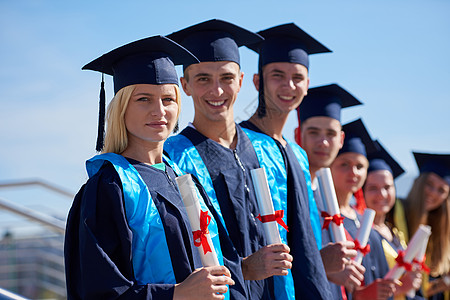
(98, 245)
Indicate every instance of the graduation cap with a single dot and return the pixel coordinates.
(326, 101)
(147, 61)
(283, 43)
(214, 40)
(382, 160)
(436, 163)
(287, 43)
(357, 139)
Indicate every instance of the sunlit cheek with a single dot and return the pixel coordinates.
(337, 171)
(441, 199)
(363, 173)
(391, 193)
(368, 196)
(428, 191)
(172, 114)
(334, 173)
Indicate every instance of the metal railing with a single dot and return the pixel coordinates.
(7, 295)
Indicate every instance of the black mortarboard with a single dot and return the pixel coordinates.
(147, 61)
(283, 43)
(215, 40)
(326, 101)
(151, 60)
(382, 160)
(357, 139)
(436, 163)
(287, 43)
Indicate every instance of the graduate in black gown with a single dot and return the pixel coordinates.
(128, 235)
(428, 202)
(380, 195)
(221, 155)
(320, 135)
(349, 171)
(282, 82)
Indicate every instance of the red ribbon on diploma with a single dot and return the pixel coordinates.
(327, 219)
(422, 265)
(277, 216)
(364, 250)
(200, 235)
(401, 262)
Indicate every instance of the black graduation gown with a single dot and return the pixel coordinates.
(230, 174)
(307, 268)
(438, 296)
(98, 243)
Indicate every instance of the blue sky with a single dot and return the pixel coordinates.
(392, 55)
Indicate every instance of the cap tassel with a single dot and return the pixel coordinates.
(101, 117)
(177, 127)
(261, 100)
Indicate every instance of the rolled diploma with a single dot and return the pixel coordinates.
(418, 257)
(415, 245)
(328, 194)
(188, 193)
(364, 231)
(265, 204)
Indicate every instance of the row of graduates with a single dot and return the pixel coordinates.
(128, 234)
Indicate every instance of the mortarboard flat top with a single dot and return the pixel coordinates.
(151, 60)
(357, 139)
(215, 40)
(326, 101)
(287, 43)
(436, 163)
(382, 160)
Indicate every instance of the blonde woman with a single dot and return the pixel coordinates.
(428, 202)
(128, 234)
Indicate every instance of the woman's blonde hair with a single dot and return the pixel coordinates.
(438, 250)
(116, 138)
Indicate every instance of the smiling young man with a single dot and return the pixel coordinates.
(282, 82)
(214, 87)
(320, 118)
(220, 154)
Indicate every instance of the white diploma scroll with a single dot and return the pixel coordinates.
(189, 194)
(419, 257)
(330, 202)
(364, 231)
(415, 245)
(265, 204)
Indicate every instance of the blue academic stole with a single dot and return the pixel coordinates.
(313, 211)
(151, 257)
(188, 158)
(270, 158)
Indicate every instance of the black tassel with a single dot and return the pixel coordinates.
(261, 101)
(101, 117)
(177, 127)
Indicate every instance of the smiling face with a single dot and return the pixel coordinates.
(285, 85)
(322, 137)
(379, 191)
(349, 171)
(151, 113)
(214, 87)
(436, 191)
